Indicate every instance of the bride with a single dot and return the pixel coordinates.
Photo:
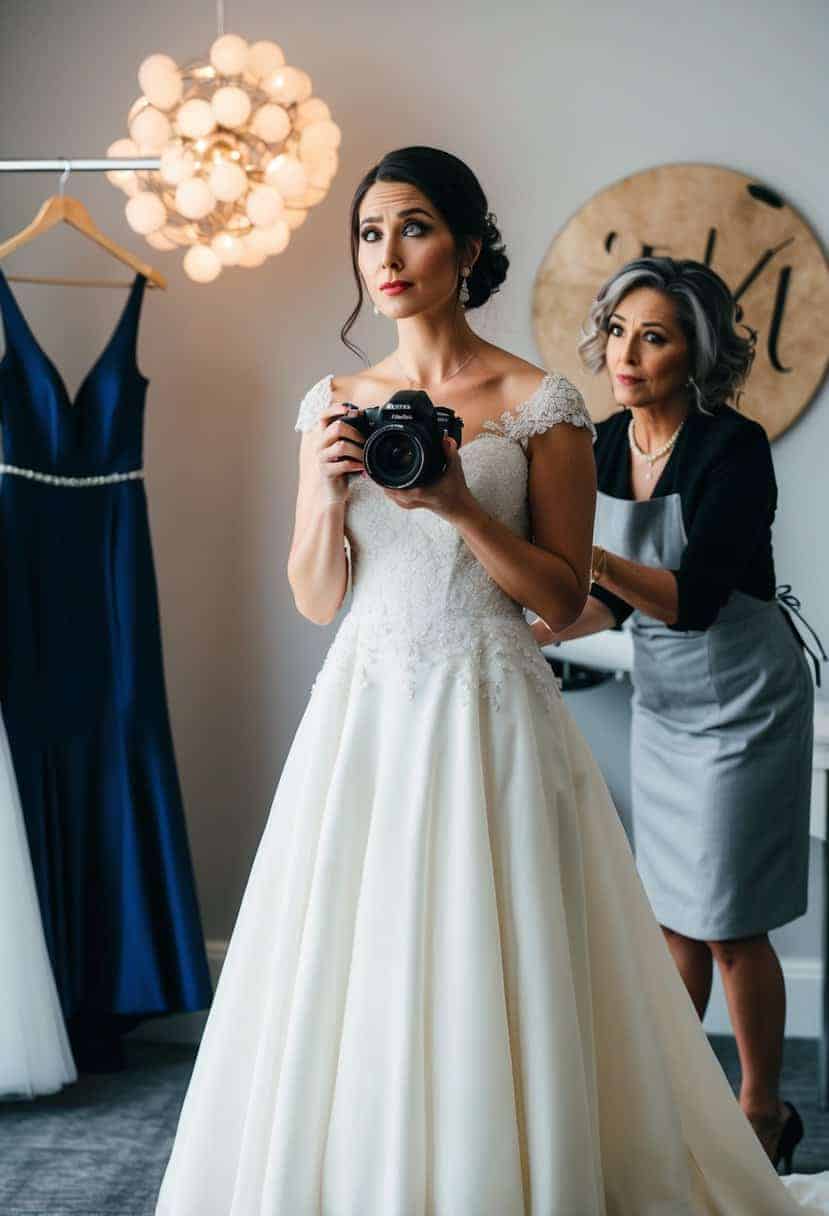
(446, 993)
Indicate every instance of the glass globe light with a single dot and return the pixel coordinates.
(146, 212)
(294, 217)
(231, 106)
(194, 199)
(121, 177)
(150, 129)
(160, 81)
(227, 247)
(272, 240)
(312, 110)
(264, 206)
(228, 181)
(257, 240)
(271, 123)
(137, 106)
(283, 85)
(320, 167)
(320, 175)
(228, 54)
(263, 59)
(251, 255)
(195, 118)
(325, 134)
(202, 264)
(317, 156)
(132, 184)
(287, 175)
(312, 196)
(159, 241)
(177, 164)
(304, 87)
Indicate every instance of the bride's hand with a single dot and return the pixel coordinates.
(339, 451)
(542, 633)
(447, 497)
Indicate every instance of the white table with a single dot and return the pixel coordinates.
(613, 651)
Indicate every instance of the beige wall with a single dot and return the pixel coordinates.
(548, 102)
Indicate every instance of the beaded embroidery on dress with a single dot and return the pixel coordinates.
(446, 994)
(420, 597)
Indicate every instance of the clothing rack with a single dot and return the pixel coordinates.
(89, 164)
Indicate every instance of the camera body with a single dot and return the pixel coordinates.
(404, 439)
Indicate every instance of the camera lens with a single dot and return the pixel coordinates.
(393, 457)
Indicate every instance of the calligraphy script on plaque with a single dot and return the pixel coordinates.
(743, 229)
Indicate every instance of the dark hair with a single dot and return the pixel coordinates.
(719, 357)
(455, 191)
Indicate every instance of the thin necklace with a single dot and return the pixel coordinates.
(652, 457)
(440, 383)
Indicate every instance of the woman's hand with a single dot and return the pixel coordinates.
(338, 452)
(447, 497)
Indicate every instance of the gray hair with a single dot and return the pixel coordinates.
(720, 358)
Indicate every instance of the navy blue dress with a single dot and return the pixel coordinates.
(83, 693)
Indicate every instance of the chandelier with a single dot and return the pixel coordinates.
(245, 151)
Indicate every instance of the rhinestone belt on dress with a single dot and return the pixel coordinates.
(52, 479)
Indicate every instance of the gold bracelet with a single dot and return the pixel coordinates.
(599, 563)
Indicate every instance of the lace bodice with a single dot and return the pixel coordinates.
(418, 593)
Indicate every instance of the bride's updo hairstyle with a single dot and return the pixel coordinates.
(454, 190)
(720, 357)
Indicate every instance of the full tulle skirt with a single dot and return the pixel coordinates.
(446, 993)
(35, 1057)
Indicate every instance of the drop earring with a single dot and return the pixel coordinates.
(375, 310)
(463, 294)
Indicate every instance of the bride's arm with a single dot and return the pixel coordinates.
(595, 618)
(550, 574)
(317, 564)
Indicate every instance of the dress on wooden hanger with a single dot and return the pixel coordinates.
(83, 691)
(34, 1050)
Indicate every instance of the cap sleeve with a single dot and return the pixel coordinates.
(313, 403)
(555, 400)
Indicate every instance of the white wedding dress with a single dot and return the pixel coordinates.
(446, 994)
(35, 1057)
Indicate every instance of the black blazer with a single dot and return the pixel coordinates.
(721, 467)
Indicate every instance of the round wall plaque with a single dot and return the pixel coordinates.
(765, 251)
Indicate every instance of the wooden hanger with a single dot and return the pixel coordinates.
(62, 209)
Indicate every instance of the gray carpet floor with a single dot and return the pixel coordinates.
(100, 1147)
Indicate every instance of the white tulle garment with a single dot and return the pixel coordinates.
(35, 1057)
(446, 994)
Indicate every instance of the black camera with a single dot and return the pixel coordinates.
(404, 439)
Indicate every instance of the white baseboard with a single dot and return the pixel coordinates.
(803, 1004)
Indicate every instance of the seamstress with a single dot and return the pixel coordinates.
(723, 699)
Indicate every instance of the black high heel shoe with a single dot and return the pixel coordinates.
(790, 1137)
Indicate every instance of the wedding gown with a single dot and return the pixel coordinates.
(446, 993)
(35, 1057)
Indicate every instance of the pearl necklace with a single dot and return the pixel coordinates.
(440, 383)
(652, 457)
